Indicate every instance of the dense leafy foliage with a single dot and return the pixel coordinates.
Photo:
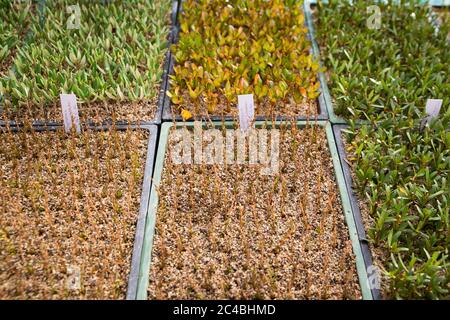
(404, 174)
(238, 47)
(393, 69)
(402, 169)
(14, 21)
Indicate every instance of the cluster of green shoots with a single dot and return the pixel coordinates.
(225, 231)
(401, 168)
(386, 71)
(15, 17)
(97, 50)
(68, 202)
(240, 47)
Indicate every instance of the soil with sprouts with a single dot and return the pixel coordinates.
(69, 205)
(97, 112)
(379, 255)
(287, 109)
(229, 232)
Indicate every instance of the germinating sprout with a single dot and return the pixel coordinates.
(240, 47)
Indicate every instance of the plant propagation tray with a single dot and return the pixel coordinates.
(153, 214)
(325, 97)
(362, 238)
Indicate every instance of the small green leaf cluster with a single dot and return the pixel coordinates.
(386, 75)
(14, 20)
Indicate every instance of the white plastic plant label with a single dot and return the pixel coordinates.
(70, 112)
(433, 107)
(246, 108)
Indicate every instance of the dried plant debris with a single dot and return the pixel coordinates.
(229, 232)
(383, 68)
(102, 52)
(227, 48)
(402, 178)
(69, 205)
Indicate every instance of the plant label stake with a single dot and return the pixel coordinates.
(433, 107)
(70, 112)
(246, 108)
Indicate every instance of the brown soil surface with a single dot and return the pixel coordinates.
(443, 16)
(379, 257)
(68, 203)
(229, 232)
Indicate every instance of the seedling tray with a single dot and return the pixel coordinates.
(435, 3)
(362, 239)
(162, 90)
(145, 261)
(325, 97)
(168, 115)
(145, 195)
(167, 60)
